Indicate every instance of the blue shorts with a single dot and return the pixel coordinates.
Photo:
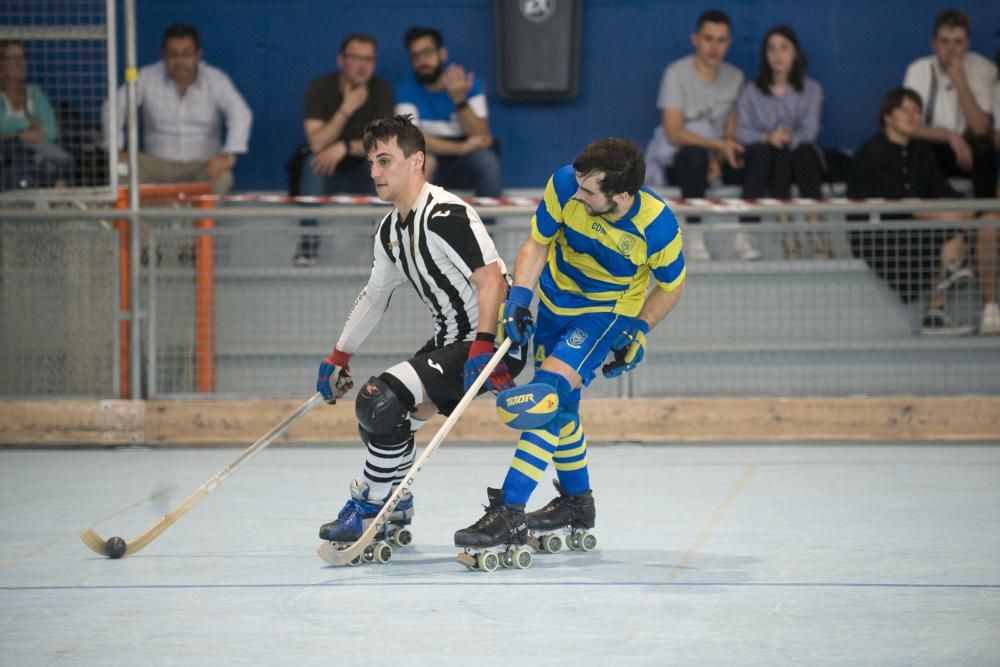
(581, 341)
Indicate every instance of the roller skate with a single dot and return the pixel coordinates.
(575, 513)
(358, 513)
(501, 525)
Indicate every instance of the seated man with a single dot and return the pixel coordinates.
(449, 106)
(338, 106)
(957, 88)
(893, 166)
(184, 102)
(697, 100)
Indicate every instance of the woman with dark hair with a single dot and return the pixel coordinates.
(778, 120)
(28, 130)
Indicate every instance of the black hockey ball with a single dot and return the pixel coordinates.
(116, 547)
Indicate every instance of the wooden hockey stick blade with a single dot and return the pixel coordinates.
(98, 544)
(335, 556)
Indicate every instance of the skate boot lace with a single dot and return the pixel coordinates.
(350, 511)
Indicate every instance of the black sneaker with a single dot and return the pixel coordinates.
(937, 323)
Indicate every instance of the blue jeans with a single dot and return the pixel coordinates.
(478, 171)
(353, 176)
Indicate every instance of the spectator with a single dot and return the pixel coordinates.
(958, 88)
(778, 120)
(183, 102)
(697, 100)
(449, 106)
(29, 155)
(892, 165)
(338, 106)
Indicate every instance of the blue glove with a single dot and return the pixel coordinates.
(516, 322)
(335, 367)
(480, 353)
(629, 348)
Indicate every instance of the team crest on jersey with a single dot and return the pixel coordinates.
(538, 11)
(626, 243)
(576, 339)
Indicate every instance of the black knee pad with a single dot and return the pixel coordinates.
(380, 410)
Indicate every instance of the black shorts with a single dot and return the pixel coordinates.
(442, 372)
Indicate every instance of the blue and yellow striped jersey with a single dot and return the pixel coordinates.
(599, 265)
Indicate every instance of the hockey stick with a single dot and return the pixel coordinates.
(335, 556)
(99, 546)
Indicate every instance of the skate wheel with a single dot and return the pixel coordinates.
(588, 542)
(382, 553)
(369, 553)
(355, 561)
(551, 543)
(522, 559)
(488, 561)
(507, 559)
(403, 537)
(573, 541)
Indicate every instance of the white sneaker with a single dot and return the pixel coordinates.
(744, 249)
(694, 245)
(989, 325)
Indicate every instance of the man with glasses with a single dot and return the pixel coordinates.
(448, 104)
(184, 103)
(338, 106)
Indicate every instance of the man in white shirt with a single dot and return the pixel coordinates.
(956, 86)
(183, 103)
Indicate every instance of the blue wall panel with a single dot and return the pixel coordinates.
(273, 48)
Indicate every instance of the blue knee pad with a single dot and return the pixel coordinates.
(533, 406)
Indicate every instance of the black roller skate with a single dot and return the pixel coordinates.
(575, 513)
(501, 525)
(355, 517)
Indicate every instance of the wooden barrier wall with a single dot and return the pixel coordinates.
(198, 423)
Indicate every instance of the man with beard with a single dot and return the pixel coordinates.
(598, 240)
(184, 102)
(338, 106)
(449, 106)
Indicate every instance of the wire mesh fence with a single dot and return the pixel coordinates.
(55, 65)
(897, 307)
(58, 310)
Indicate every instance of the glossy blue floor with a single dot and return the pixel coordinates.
(707, 555)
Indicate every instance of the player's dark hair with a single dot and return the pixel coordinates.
(408, 136)
(951, 18)
(765, 77)
(180, 31)
(416, 32)
(713, 16)
(621, 161)
(360, 37)
(894, 99)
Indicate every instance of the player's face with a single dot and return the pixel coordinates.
(950, 44)
(588, 193)
(780, 54)
(392, 172)
(903, 120)
(357, 62)
(711, 43)
(181, 57)
(427, 59)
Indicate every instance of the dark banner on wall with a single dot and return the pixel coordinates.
(538, 49)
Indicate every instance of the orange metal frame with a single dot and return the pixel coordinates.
(204, 289)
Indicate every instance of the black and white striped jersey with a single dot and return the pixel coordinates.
(435, 248)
